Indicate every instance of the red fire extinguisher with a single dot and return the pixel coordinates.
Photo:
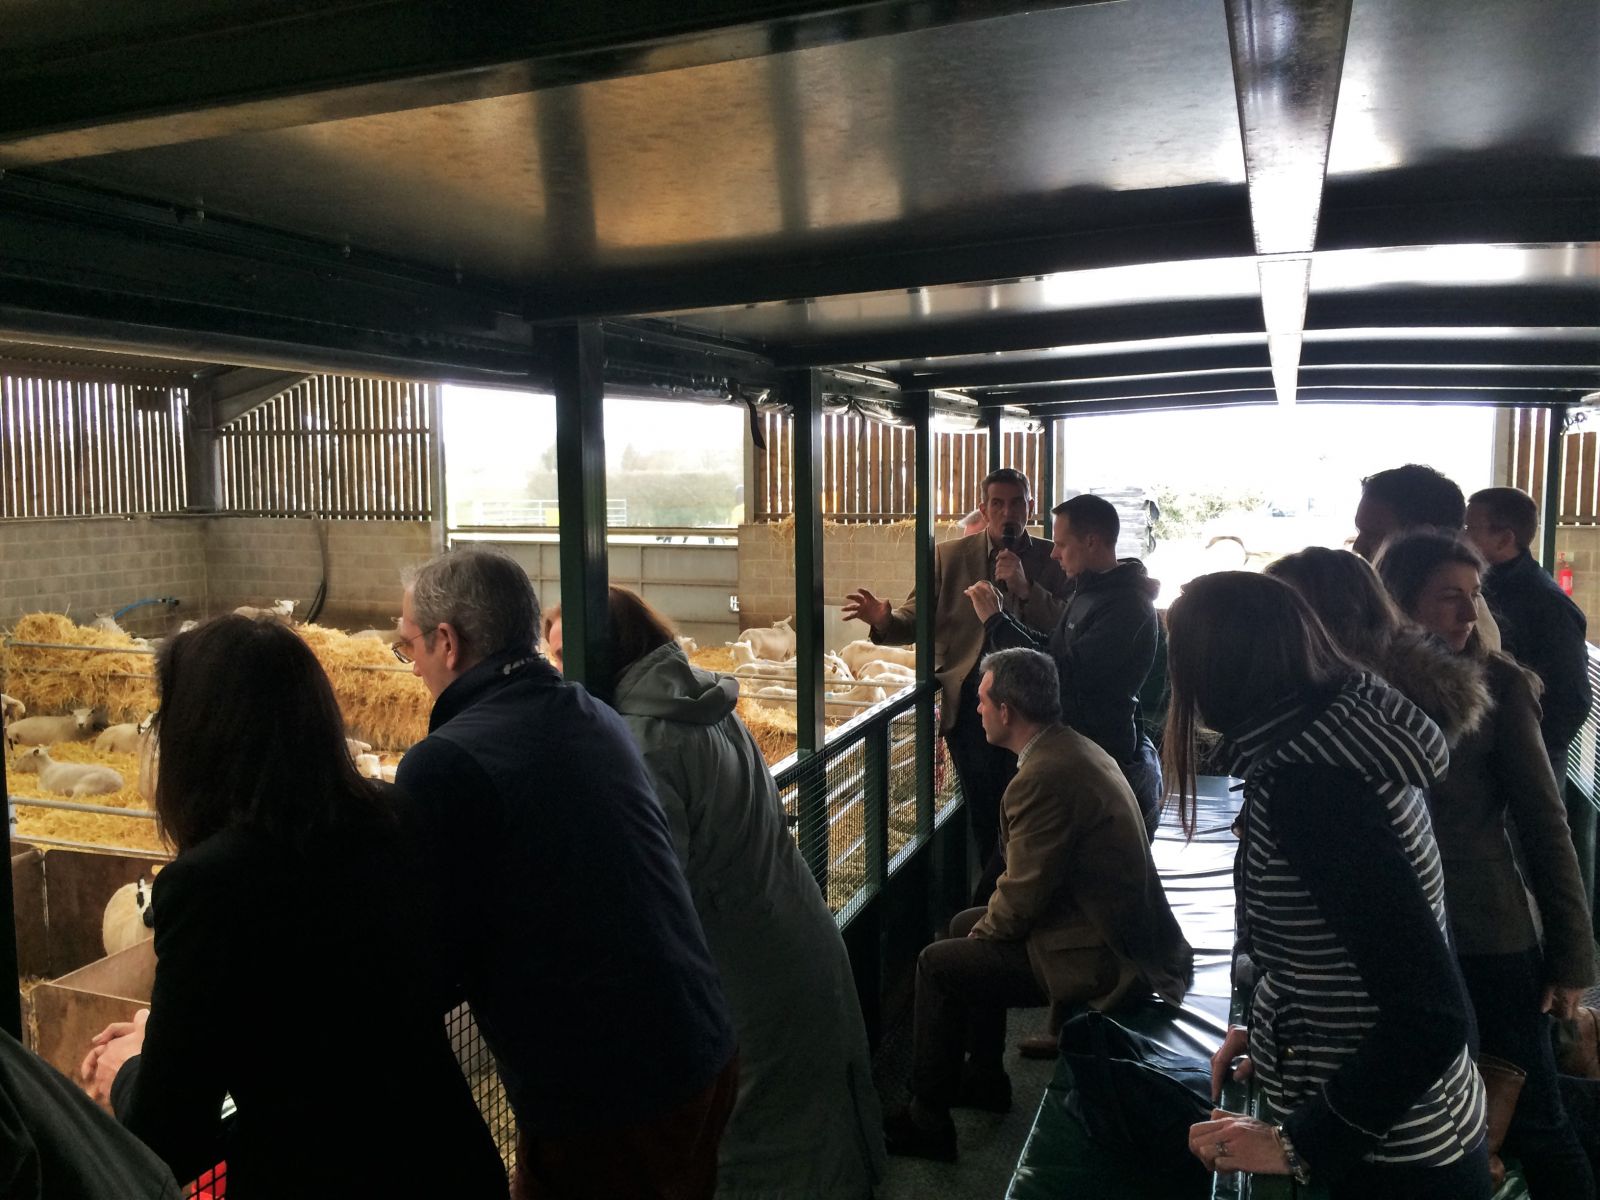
(1563, 574)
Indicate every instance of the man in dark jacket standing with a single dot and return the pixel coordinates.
(1540, 626)
(1102, 637)
(578, 945)
(1545, 631)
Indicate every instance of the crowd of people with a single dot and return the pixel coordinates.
(606, 876)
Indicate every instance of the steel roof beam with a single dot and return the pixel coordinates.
(1486, 351)
(1039, 331)
(1490, 397)
(1393, 378)
(75, 89)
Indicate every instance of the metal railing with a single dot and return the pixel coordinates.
(856, 806)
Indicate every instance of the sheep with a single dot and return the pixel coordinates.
(127, 920)
(687, 644)
(771, 642)
(12, 708)
(387, 636)
(743, 655)
(43, 731)
(120, 739)
(107, 624)
(281, 610)
(72, 779)
(879, 671)
(859, 653)
(369, 766)
(191, 623)
(761, 668)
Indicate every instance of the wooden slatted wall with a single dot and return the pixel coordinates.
(73, 448)
(354, 449)
(867, 469)
(1526, 455)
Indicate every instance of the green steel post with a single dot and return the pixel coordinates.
(581, 492)
(1550, 507)
(802, 392)
(1045, 500)
(875, 798)
(917, 403)
(10, 997)
(991, 422)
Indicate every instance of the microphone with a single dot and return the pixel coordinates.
(1009, 533)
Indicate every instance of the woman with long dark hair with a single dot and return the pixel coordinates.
(295, 937)
(1500, 781)
(1358, 1026)
(806, 1125)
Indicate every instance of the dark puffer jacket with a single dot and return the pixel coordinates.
(1103, 641)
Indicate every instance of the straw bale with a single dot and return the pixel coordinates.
(102, 829)
(773, 728)
(57, 681)
(714, 658)
(388, 707)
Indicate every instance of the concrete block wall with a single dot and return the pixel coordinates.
(256, 560)
(879, 557)
(96, 565)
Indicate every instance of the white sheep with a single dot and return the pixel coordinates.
(763, 669)
(282, 610)
(387, 636)
(858, 653)
(743, 655)
(771, 642)
(124, 923)
(120, 739)
(45, 731)
(12, 708)
(107, 624)
(369, 766)
(71, 779)
(191, 623)
(687, 644)
(889, 673)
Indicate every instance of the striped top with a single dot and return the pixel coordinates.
(1337, 883)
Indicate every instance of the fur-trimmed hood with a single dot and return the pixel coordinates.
(1451, 688)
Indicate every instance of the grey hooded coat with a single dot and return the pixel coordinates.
(807, 1122)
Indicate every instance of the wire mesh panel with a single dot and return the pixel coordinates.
(477, 1064)
(70, 448)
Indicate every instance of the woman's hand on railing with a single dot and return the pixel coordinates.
(1222, 1062)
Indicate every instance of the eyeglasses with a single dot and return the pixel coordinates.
(405, 655)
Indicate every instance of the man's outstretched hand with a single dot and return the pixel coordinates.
(862, 605)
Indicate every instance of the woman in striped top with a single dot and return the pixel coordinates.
(1358, 1028)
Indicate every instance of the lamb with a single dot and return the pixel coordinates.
(887, 673)
(687, 644)
(282, 610)
(72, 779)
(44, 731)
(128, 917)
(12, 708)
(858, 653)
(387, 636)
(120, 739)
(771, 642)
(369, 766)
(107, 624)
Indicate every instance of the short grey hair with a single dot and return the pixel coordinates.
(1025, 681)
(484, 595)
